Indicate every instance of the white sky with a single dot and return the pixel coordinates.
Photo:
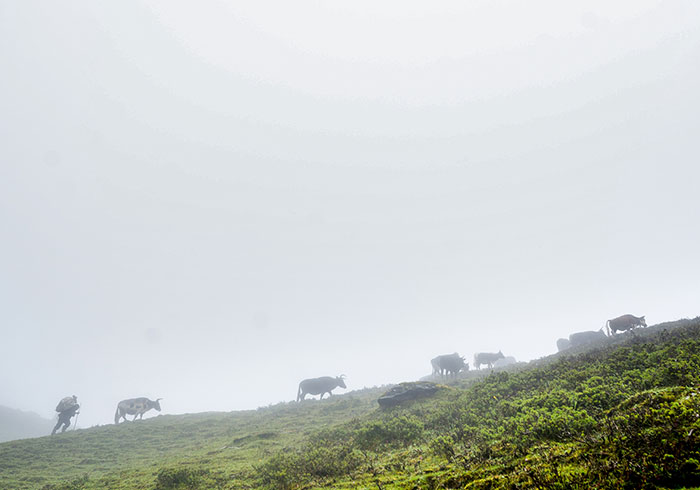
(210, 202)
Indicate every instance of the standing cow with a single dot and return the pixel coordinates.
(447, 364)
(588, 337)
(320, 386)
(563, 344)
(136, 407)
(624, 322)
(487, 358)
(506, 361)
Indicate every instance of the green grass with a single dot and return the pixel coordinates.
(131, 455)
(622, 414)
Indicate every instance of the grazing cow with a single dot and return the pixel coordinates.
(506, 361)
(563, 344)
(447, 364)
(136, 407)
(320, 386)
(624, 322)
(583, 338)
(487, 358)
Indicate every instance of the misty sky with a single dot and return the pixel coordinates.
(208, 202)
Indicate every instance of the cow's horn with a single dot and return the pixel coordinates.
(342, 376)
(158, 399)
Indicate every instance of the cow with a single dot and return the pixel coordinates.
(563, 344)
(447, 364)
(320, 386)
(624, 322)
(487, 358)
(136, 407)
(587, 337)
(506, 361)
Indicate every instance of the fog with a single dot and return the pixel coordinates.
(209, 202)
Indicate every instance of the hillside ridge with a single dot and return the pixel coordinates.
(521, 426)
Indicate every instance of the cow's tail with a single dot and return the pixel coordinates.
(607, 327)
(299, 393)
(116, 415)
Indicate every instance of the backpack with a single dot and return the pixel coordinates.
(65, 404)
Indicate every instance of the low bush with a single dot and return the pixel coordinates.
(179, 478)
(396, 430)
(291, 467)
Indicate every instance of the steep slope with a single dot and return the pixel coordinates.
(623, 413)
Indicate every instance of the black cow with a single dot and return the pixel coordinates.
(563, 344)
(624, 322)
(320, 386)
(587, 337)
(487, 358)
(447, 364)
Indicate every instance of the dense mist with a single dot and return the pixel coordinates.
(209, 203)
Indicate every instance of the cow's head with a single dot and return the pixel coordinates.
(500, 355)
(156, 404)
(341, 381)
(642, 321)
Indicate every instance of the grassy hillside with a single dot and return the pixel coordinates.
(624, 413)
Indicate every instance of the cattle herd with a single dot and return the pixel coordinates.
(445, 365)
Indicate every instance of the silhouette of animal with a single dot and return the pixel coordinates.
(487, 358)
(447, 364)
(506, 361)
(587, 337)
(563, 344)
(320, 386)
(624, 322)
(136, 407)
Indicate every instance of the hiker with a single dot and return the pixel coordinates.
(66, 408)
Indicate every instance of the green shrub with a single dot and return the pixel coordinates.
(75, 484)
(650, 439)
(288, 468)
(397, 430)
(179, 478)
